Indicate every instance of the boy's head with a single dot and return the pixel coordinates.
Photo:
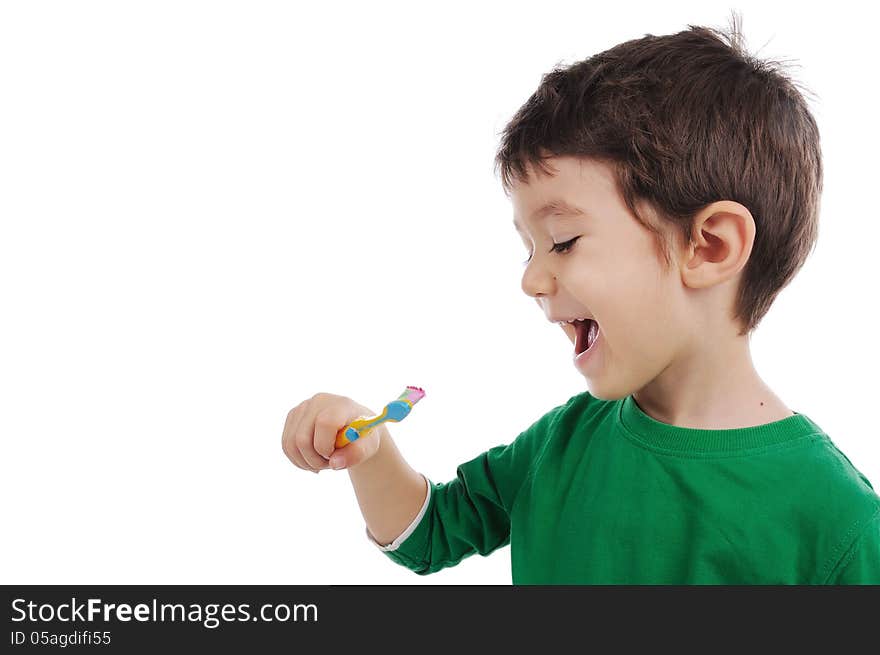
(698, 171)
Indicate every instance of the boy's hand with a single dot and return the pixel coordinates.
(309, 437)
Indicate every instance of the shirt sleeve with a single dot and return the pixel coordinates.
(470, 513)
(861, 564)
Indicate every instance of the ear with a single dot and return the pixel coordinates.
(723, 235)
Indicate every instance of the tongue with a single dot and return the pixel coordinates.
(581, 342)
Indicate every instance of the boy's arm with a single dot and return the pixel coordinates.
(861, 564)
(432, 526)
(390, 493)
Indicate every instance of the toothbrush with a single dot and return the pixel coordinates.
(396, 410)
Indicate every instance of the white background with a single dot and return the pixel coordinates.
(213, 210)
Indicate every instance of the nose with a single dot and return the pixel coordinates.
(537, 281)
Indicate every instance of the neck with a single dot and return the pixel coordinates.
(712, 386)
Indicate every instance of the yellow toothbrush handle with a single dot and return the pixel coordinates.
(358, 428)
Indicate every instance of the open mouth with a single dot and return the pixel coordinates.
(586, 331)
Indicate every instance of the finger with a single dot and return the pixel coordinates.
(357, 451)
(305, 439)
(295, 456)
(288, 445)
(298, 460)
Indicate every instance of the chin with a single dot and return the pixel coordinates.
(607, 391)
(601, 394)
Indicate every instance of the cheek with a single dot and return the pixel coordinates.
(634, 304)
(642, 284)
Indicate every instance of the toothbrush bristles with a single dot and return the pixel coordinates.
(413, 394)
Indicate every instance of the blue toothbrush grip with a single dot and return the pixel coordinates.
(397, 410)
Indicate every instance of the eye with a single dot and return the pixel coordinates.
(558, 248)
(564, 247)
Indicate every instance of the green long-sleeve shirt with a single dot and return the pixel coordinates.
(598, 492)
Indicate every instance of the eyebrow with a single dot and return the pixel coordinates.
(555, 205)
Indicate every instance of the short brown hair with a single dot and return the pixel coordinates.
(685, 120)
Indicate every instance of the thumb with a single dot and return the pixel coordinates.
(357, 451)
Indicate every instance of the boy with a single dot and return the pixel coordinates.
(667, 190)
